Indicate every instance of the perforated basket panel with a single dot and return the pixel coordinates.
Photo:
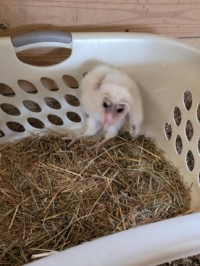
(165, 70)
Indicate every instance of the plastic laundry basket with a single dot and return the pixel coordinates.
(165, 70)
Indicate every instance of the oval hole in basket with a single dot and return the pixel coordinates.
(190, 160)
(74, 117)
(199, 178)
(189, 130)
(27, 86)
(15, 126)
(34, 122)
(44, 56)
(198, 113)
(10, 109)
(198, 146)
(32, 106)
(177, 116)
(55, 120)
(70, 81)
(1, 134)
(5, 90)
(49, 84)
(187, 99)
(178, 144)
(72, 100)
(52, 103)
(168, 131)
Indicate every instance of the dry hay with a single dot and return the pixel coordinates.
(190, 261)
(53, 198)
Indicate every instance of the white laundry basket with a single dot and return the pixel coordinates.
(164, 69)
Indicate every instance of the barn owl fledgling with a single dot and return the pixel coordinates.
(108, 97)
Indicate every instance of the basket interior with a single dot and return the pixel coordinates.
(42, 99)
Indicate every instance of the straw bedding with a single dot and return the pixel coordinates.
(52, 198)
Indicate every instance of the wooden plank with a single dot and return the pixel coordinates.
(178, 18)
(44, 56)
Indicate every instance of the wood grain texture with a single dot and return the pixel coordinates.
(44, 56)
(177, 18)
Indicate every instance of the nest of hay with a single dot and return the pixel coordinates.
(52, 198)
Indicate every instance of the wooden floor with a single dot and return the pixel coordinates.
(176, 18)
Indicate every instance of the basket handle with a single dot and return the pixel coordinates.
(39, 39)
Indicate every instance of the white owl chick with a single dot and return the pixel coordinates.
(109, 96)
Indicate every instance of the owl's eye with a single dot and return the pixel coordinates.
(105, 105)
(120, 109)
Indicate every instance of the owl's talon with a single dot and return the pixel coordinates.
(72, 140)
(134, 131)
(96, 147)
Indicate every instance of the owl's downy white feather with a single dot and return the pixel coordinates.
(108, 97)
